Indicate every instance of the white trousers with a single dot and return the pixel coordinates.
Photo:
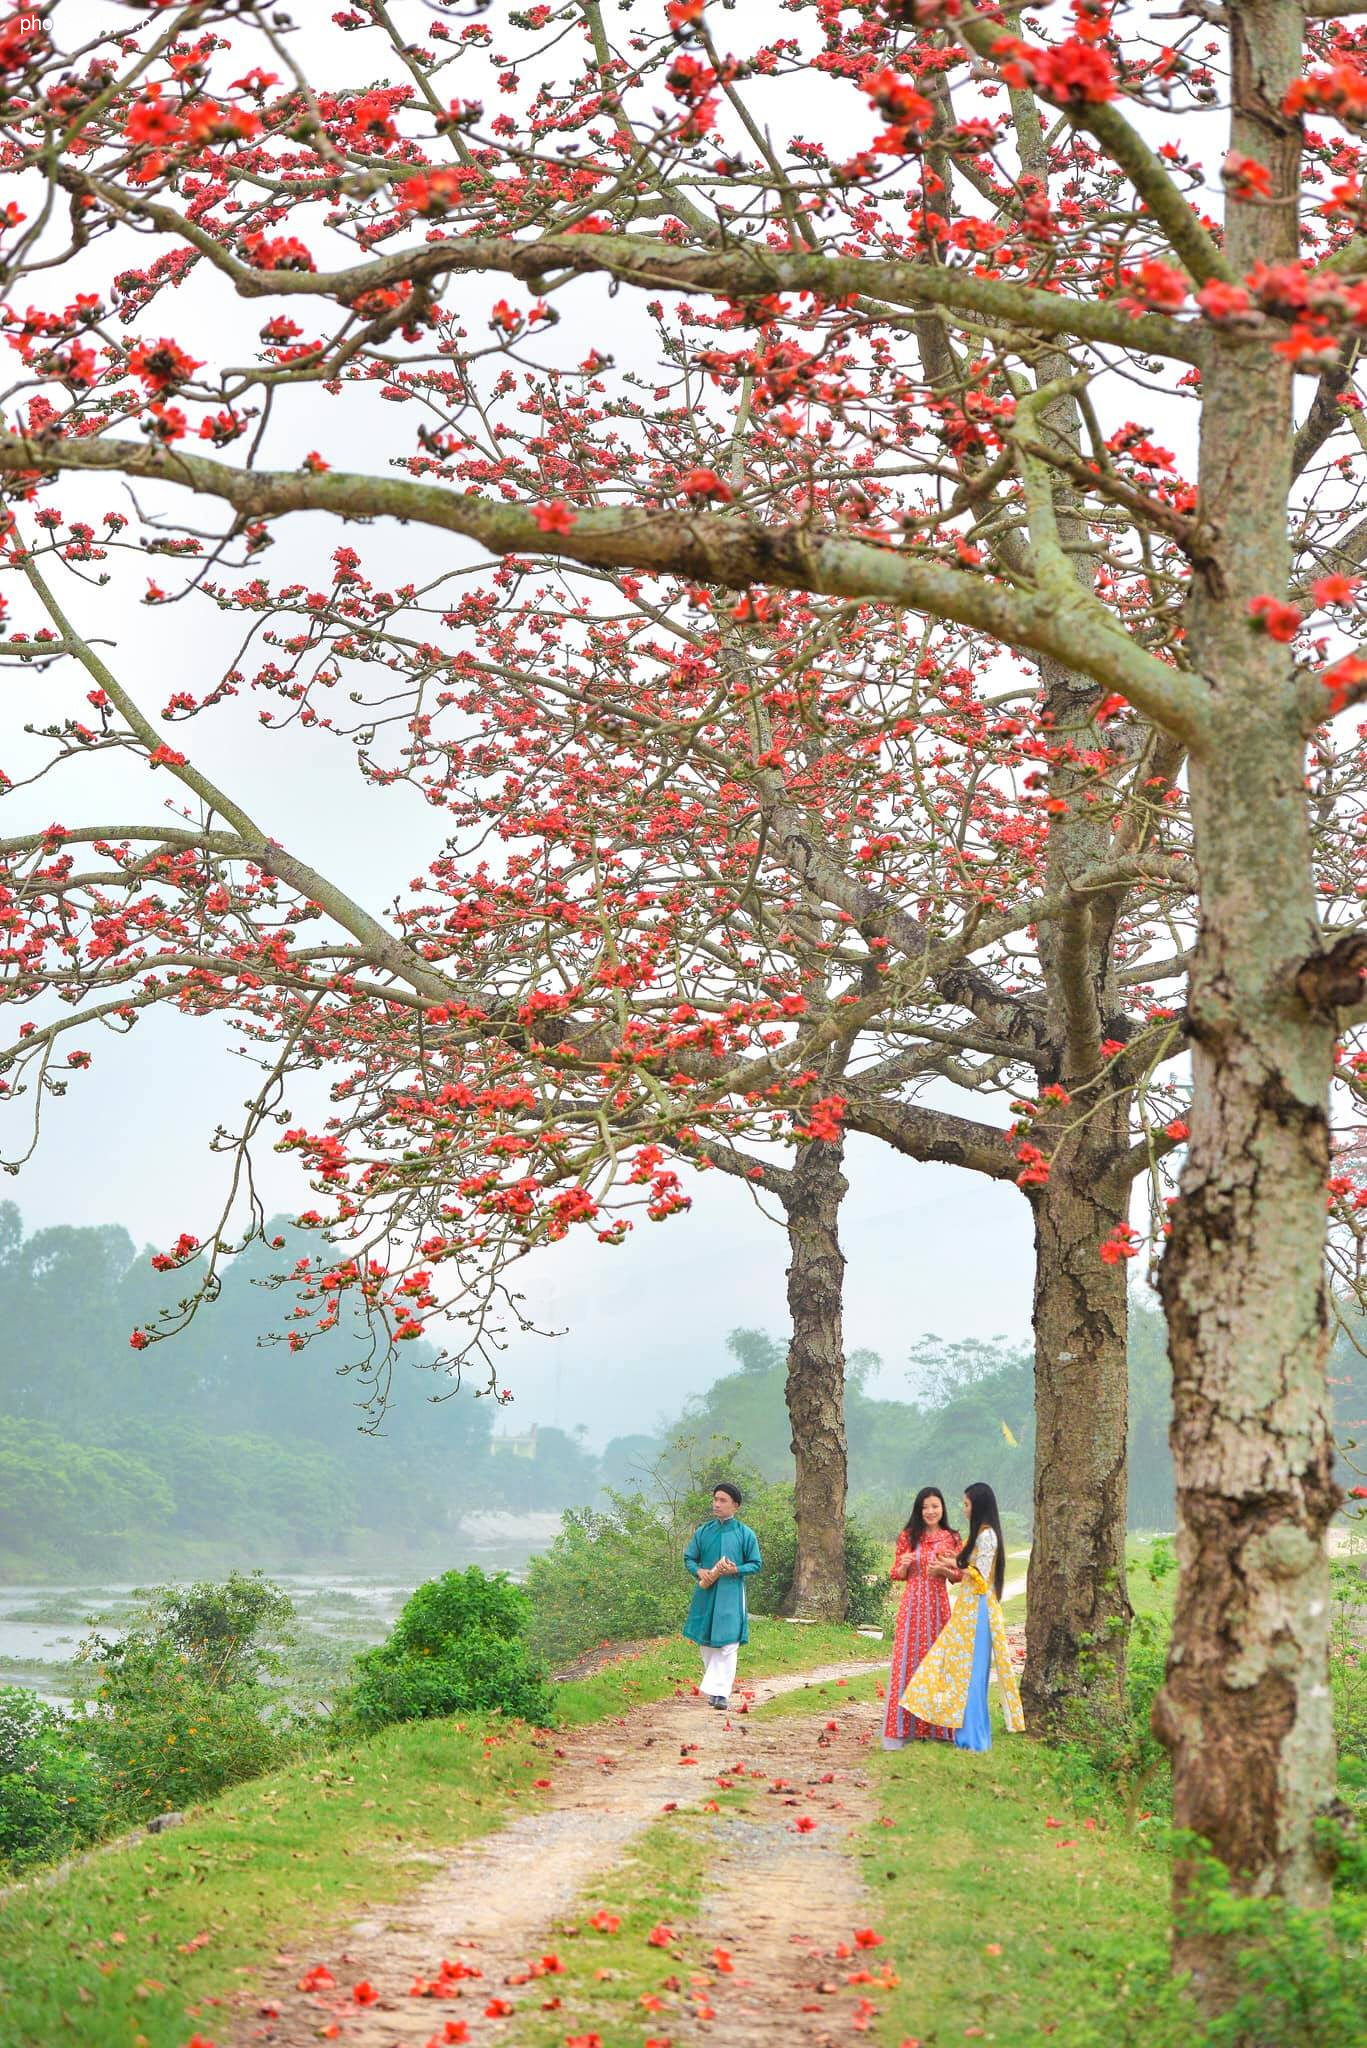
(718, 1669)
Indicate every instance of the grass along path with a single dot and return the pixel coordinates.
(136, 1947)
(769, 1879)
(503, 1905)
(683, 1877)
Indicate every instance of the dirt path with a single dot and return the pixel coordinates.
(779, 1900)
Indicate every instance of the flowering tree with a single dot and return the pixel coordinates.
(810, 843)
(956, 302)
(755, 897)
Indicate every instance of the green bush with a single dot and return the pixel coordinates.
(1119, 1756)
(617, 1575)
(443, 1610)
(866, 1577)
(1301, 1978)
(459, 1646)
(165, 1736)
(51, 1799)
(228, 1631)
(612, 1576)
(181, 1707)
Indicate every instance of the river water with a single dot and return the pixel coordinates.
(340, 1611)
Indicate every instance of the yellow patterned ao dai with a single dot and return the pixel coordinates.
(938, 1691)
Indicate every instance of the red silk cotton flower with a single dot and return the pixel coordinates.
(557, 517)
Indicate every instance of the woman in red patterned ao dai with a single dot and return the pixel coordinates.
(922, 1614)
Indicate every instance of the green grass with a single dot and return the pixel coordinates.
(830, 1693)
(112, 1957)
(105, 1957)
(1148, 1595)
(997, 1921)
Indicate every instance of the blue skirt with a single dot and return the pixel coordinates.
(976, 1732)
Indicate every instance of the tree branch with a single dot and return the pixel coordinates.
(933, 1135)
(749, 271)
(708, 547)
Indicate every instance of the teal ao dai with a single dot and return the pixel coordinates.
(718, 1613)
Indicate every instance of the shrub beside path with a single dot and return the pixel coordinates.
(776, 1899)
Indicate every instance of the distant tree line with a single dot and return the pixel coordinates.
(222, 1446)
(970, 1415)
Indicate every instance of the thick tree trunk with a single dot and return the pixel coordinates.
(1245, 1710)
(1078, 1608)
(816, 1380)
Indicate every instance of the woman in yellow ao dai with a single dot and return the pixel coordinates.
(949, 1686)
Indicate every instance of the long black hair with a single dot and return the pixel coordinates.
(982, 1503)
(916, 1522)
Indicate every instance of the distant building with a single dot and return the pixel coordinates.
(509, 1446)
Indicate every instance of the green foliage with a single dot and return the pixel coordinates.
(866, 1578)
(1121, 1758)
(228, 1633)
(1299, 1977)
(180, 1707)
(611, 1575)
(561, 1473)
(224, 1446)
(756, 1350)
(454, 1605)
(616, 1574)
(1118, 1757)
(1348, 1671)
(165, 1736)
(459, 1646)
(50, 1793)
(94, 1497)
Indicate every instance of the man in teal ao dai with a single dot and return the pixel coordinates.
(721, 1556)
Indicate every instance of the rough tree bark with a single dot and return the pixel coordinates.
(1245, 1710)
(1078, 1606)
(816, 1379)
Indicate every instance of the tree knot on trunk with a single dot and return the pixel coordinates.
(1332, 980)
